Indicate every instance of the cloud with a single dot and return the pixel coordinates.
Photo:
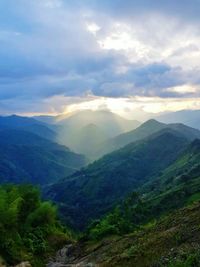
(62, 48)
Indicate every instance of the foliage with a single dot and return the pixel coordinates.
(191, 260)
(92, 192)
(27, 224)
(28, 158)
(176, 187)
(122, 220)
(172, 241)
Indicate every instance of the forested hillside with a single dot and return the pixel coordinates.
(27, 124)
(92, 191)
(146, 129)
(26, 157)
(157, 226)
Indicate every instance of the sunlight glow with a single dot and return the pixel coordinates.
(93, 28)
(183, 89)
(126, 106)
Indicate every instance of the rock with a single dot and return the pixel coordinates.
(70, 256)
(56, 264)
(67, 254)
(64, 254)
(24, 264)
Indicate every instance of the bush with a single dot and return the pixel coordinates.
(27, 225)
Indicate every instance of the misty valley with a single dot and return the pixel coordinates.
(95, 189)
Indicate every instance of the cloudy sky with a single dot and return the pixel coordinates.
(125, 55)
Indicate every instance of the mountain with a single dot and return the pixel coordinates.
(112, 124)
(188, 117)
(159, 226)
(84, 131)
(150, 127)
(173, 188)
(92, 191)
(27, 124)
(86, 139)
(26, 157)
(46, 119)
(177, 185)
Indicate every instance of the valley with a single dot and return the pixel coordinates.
(114, 211)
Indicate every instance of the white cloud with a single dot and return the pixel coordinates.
(93, 28)
(57, 49)
(184, 89)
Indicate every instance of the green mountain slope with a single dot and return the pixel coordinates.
(146, 129)
(173, 241)
(158, 227)
(26, 157)
(178, 185)
(92, 191)
(27, 124)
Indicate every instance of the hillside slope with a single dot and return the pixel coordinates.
(92, 191)
(146, 129)
(27, 124)
(161, 229)
(171, 242)
(26, 157)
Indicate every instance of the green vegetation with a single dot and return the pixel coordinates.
(178, 186)
(171, 241)
(29, 229)
(26, 157)
(95, 190)
(192, 260)
(125, 218)
(139, 205)
(144, 131)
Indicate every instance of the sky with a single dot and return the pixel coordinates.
(128, 56)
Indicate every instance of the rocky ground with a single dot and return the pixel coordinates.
(173, 238)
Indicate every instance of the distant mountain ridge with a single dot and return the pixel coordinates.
(188, 117)
(85, 130)
(27, 124)
(149, 127)
(27, 158)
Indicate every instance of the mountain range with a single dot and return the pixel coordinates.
(136, 205)
(187, 117)
(28, 124)
(86, 130)
(27, 157)
(108, 180)
(149, 127)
